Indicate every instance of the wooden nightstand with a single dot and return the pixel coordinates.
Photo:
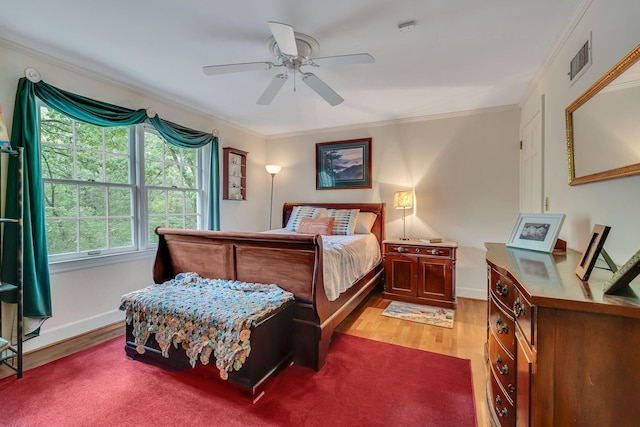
(421, 273)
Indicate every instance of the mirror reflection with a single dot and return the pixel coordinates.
(603, 130)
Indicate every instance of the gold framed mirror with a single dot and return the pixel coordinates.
(603, 130)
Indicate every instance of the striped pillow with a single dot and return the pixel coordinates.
(300, 212)
(345, 222)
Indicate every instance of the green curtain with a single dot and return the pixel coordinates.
(36, 285)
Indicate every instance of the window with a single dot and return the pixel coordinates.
(171, 186)
(106, 189)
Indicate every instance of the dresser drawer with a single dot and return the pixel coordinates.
(523, 314)
(503, 289)
(435, 251)
(503, 367)
(502, 326)
(501, 405)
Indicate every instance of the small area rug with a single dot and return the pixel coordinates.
(364, 383)
(436, 316)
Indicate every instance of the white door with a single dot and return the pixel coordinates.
(531, 152)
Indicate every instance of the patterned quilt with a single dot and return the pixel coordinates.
(204, 316)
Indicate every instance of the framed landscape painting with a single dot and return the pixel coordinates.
(537, 232)
(343, 164)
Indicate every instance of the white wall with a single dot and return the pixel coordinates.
(88, 299)
(615, 32)
(464, 168)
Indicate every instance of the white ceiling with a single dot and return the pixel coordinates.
(462, 54)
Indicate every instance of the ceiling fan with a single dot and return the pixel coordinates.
(292, 50)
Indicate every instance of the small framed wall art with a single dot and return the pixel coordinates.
(343, 164)
(537, 232)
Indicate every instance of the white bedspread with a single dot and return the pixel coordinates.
(345, 260)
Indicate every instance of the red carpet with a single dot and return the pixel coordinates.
(364, 383)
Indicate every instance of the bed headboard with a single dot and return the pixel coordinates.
(376, 208)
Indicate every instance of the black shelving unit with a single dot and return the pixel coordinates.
(11, 352)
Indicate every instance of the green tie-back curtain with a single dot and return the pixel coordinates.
(37, 293)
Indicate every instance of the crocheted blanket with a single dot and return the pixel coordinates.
(204, 316)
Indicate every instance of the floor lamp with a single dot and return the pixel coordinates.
(403, 200)
(273, 170)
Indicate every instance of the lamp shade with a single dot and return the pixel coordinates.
(403, 200)
(273, 169)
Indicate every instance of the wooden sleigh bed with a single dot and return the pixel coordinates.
(294, 262)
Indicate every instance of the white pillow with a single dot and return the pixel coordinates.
(300, 212)
(364, 222)
(345, 223)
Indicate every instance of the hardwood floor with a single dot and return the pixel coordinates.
(466, 339)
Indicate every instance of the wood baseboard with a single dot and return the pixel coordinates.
(64, 348)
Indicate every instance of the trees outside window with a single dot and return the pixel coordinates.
(106, 189)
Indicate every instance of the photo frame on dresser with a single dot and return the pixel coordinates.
(625, 274)
(536, 232)
(592, 251)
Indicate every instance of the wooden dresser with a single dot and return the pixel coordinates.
(560, 352)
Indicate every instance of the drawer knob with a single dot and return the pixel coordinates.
(512, 388)
(400, 249)
(501, 290)
(501, 367)
(504, 413)
(501, 328)
(417, 250)
(519, 308)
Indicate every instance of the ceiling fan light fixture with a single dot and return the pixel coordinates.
(293, 51)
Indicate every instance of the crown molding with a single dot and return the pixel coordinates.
(68, 66)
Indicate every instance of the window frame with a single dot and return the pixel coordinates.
(142, 200)
(141, 247)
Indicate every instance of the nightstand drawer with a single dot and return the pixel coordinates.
(420, 250)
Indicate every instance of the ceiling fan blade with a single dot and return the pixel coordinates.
(272, 90)
(213, 70)
(285, 38)
(322, 89)
(356, 58)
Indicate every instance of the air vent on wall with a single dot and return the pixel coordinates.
(580, 61)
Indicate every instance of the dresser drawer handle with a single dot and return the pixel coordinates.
(501, 290)
(504, 413)
(501, 328)
(504, 369)
(519, 308)
(400, 249)
(512, 388)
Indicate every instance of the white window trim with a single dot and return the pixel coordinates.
(142, 249)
